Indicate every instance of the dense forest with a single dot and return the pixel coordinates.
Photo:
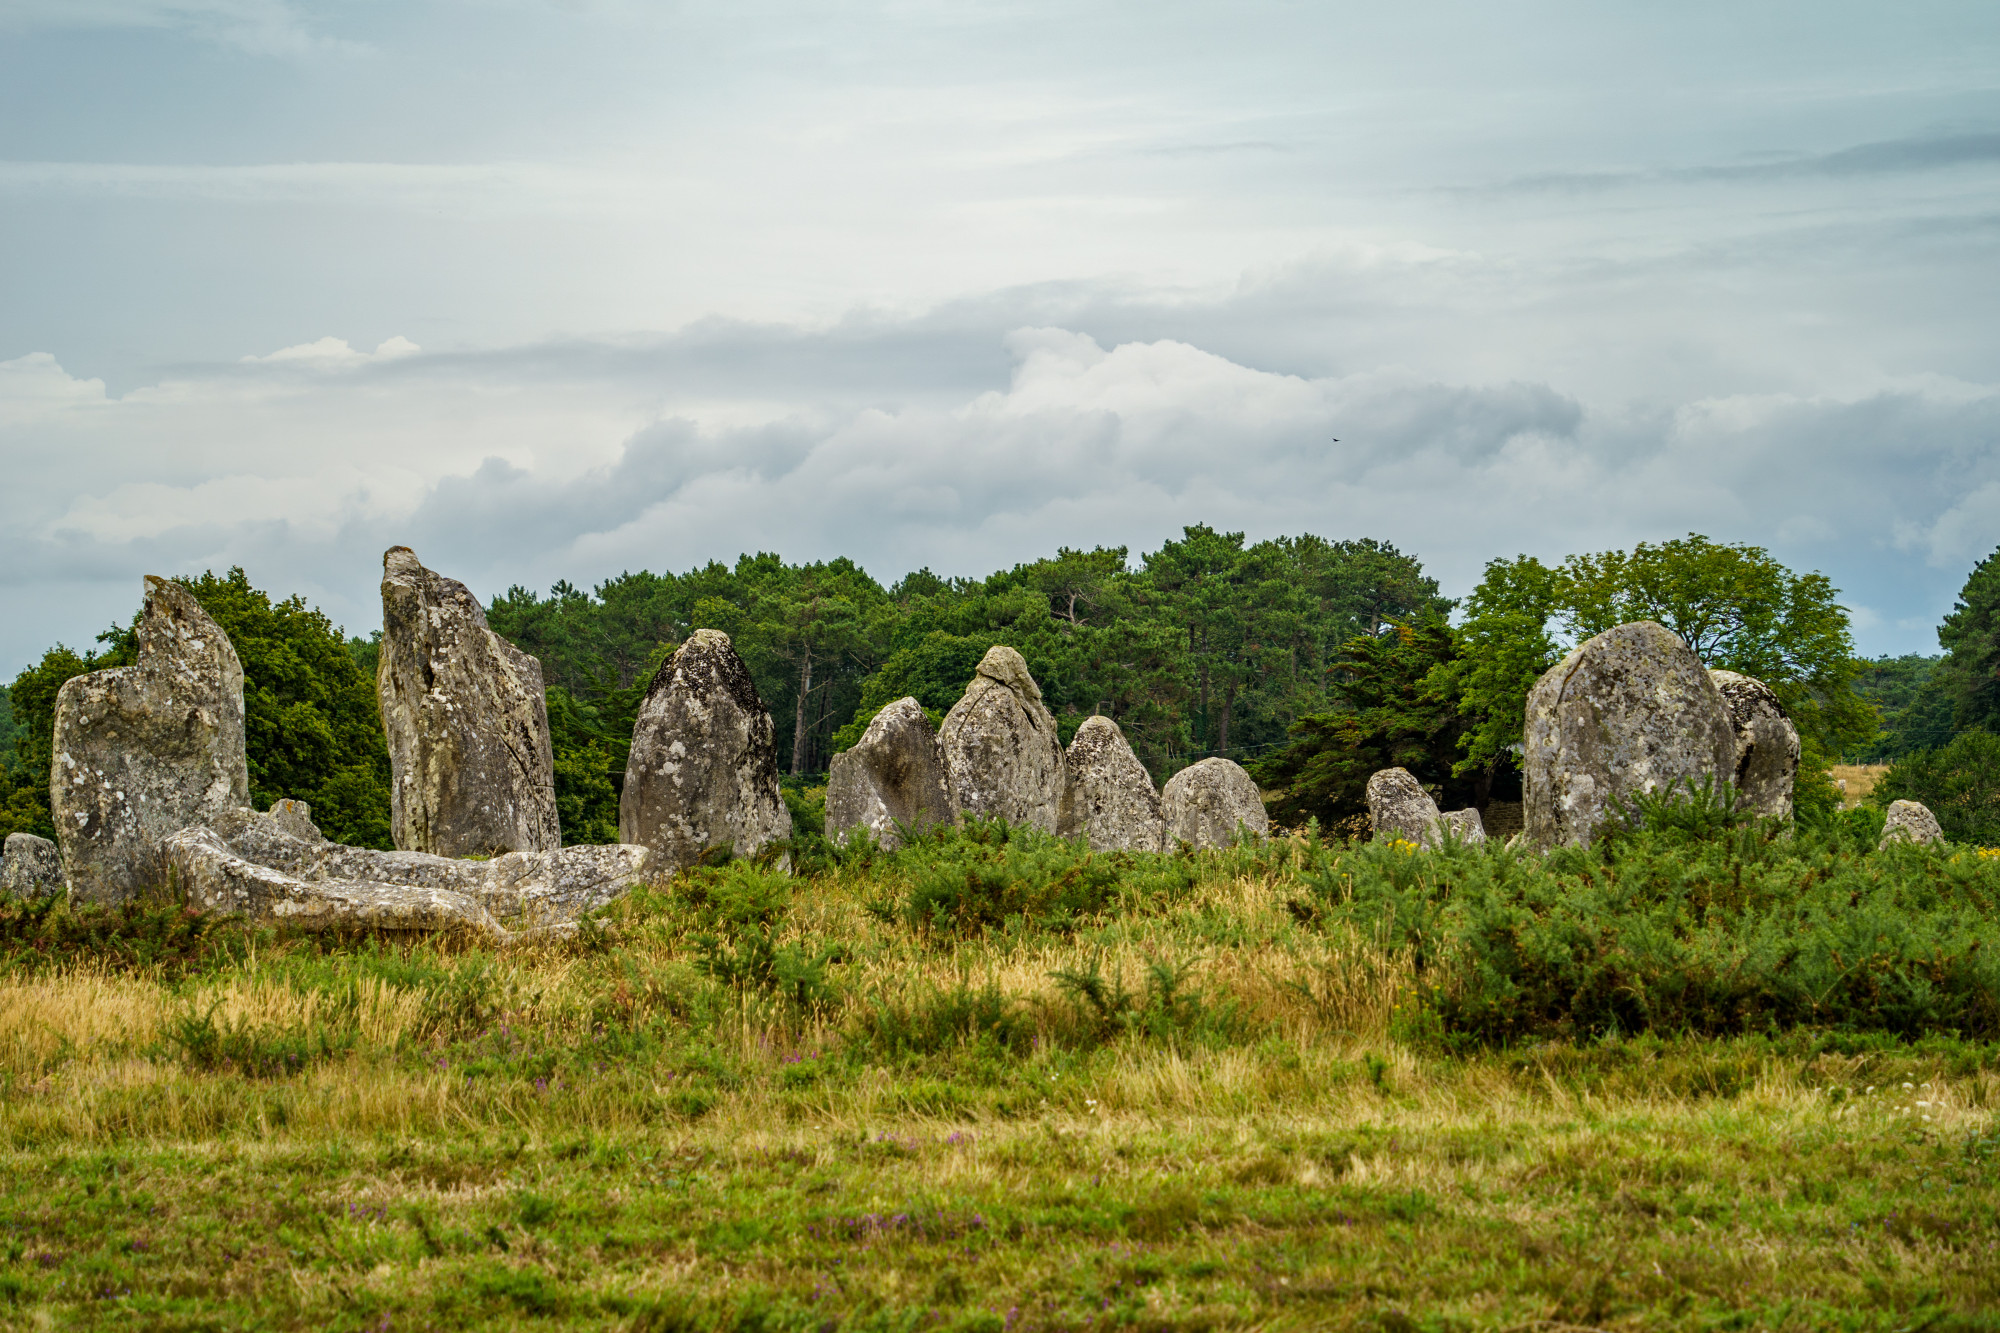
(1312, 661)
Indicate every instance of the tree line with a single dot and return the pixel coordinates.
(1313, 661)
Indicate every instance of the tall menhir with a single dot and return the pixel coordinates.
(472, 770)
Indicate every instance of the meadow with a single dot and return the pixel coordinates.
(1708, 1074)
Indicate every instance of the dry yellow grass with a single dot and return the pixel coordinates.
(1855, 781)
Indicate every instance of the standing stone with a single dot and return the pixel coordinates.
(1399, 807)
(1205, 804)
(1465, 825)
(1910, 821)
(1110, 801)
(472, 770)
(1767, 745)
(1002, 757)
(892, 777)
(144, 750)
(1627, 712)
(704, 766)
(30, 867)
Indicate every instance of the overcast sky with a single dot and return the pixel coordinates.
(554, 290)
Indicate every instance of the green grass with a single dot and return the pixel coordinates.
(1217, 1091)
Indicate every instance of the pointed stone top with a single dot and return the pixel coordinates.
(1003, 664)
(400, 559)
(707, 661)
(1098, 732)
(173, 625)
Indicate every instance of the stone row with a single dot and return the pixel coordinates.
(998, 756)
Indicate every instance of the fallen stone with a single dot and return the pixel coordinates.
(1209, 803)
(472, 769)
(1910, 821)
(892, 780)
(704, 765)
(1110, 801)
(30, 867)
(1465, 825)
(144, 750)
(1630, 711)
(1767, 745)
(1002, 757)
(1400, 808)
(277, 867)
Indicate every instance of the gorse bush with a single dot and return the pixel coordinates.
(1693, 922)
(987, 875)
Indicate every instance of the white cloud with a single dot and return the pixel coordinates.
(574, 460)
(334, 354)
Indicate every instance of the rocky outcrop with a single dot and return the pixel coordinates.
(892, 780)
(1110, 801)
(144, 750)
(704, 766)
(1399, 808)
(277, 867)
(1464, 825)
(1767, 745)
(30, 867)
(1629, 711)
(1910, 821)
(472, 769)
(1002, 757)
(1209, 803)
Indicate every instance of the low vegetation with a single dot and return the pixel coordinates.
(1707, 1074)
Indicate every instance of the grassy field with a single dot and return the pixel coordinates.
(995, 1084)
(1856, 781)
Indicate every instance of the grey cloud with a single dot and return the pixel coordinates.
(1925, 152)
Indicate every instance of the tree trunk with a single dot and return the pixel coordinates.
(799, 714)
(819, 723)
(1222, 722)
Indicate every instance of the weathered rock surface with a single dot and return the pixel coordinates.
(1910, 821)
(472, 768)
(1767, 744)
(1002, 757)
(144, 750)
(1629, 711)
(1110, 801)
(1205, 804)
(276, 866)
(704, 766)
(1399, 807)
(893, 778)
(30, 867)
(1465, 825)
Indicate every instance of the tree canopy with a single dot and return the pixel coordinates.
(1314, 661)
(1970, 637)
(1736, 607)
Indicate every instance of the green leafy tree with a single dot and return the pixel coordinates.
(1390, 716)
(312, 728)
(312, 724)
(1206, 581)
(1736, 607)
(1504, 647)
(1970, 637)
(1913, 695)
(809, 626)
(1738, 610)
(32, 700)
(1960, 782)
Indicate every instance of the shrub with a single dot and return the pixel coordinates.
(1960, 783)
(1673, 926)
(984, 875)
